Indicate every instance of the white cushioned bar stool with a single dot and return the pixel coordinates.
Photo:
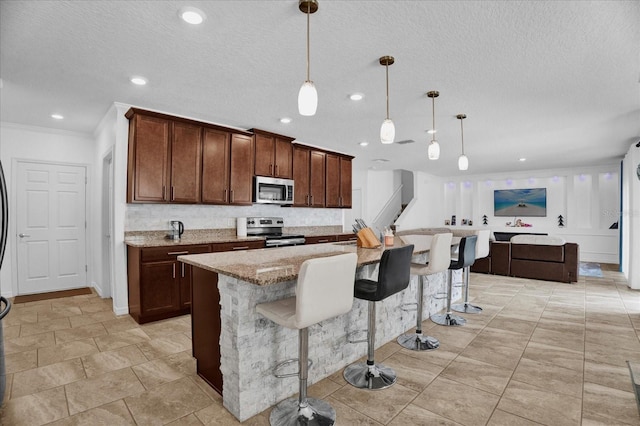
(482, 250)
(466, 257)
(393, 277)
(324, 290)
(439, 260)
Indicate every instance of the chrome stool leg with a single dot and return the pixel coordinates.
(448, 318)
(466, 307)
(370, 375)
(418, 341)
(303, 411)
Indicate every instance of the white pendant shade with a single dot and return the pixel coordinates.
(387, 131)
(463, 162)
(434, 150)
(307, 99)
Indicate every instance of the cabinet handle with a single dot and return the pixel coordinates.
(340, 201)
(172, 199)
(310, 200)
(177, 253)
(182, 269)
(225, 195)
(323, 241)
(241, 248)
(276, 167)
(270, 169)
(232, 197)
(174, 270)
(163, 191)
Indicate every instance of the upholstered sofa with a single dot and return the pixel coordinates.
(539, 257)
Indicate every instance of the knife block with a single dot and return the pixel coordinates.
(367, 239)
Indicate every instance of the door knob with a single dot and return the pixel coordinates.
(23, 235)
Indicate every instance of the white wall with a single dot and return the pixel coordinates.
(631, 217)
(43, 145)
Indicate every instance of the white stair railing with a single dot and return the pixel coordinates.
(389, 211)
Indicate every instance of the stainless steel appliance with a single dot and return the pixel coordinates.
(268, 190)
(4, 229)
(271, 229)
(176, 231)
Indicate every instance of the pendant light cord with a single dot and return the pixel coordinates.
(462, 135)
(433, 118)
(308, 60)
(387, 68)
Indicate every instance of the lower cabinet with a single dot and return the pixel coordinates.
(159, 285)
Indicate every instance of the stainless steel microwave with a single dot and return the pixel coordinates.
(268, 190)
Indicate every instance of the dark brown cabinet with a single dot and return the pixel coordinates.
(148, 169)
(273, 154)
(186, 159)
(309, 176)
(159, 285)
(320, 239)
(338, 181)
(226, 176)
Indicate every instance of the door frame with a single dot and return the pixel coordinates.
(13, 214)
(107, 226)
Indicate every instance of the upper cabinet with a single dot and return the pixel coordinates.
(273, 154)
(176, 160)
(338, 181)
(308, 176)
(148, 168)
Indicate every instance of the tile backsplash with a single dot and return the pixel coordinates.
(151, 217)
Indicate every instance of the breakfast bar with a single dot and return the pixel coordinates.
(232, 341)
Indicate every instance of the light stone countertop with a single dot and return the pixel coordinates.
(273, 265)
(212, 236)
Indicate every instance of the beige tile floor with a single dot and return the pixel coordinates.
(540, 353)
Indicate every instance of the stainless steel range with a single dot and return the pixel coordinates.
(271, 229)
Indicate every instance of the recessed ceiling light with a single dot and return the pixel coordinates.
(57, 116)
(522, 159)
(285, 120)
(356, 96)
(364, 143)
(192, 15)
(139, 81)
(380, 160)
(432, 131)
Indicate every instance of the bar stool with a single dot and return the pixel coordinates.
(439, 259)
(466, 257)
(393, 276)
(324, 290)
(482, 250)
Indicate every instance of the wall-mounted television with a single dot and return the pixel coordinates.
(520, 202)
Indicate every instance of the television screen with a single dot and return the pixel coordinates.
(520, 202)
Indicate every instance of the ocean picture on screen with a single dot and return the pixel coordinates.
(520, 202)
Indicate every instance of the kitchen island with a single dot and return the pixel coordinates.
(231, 340)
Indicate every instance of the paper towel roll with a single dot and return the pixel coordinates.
(241, 226)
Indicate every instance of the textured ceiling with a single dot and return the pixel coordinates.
(556, 82)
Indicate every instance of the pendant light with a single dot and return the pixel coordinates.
(434, 147)
(463, 161)
(308, 95)
(388, 129)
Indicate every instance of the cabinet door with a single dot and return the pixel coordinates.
(158, 287)
(149, 159)
(186, 163)
(317, 178)
(241, 177)
(345, 182)
(301, 176)
(215, 167)
(265, 148)
(283, 159)
(333, 181)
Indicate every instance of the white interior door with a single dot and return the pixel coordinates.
(51, 226)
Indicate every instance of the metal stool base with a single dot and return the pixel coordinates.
(448, 319)
(418, 342)
(373, 377)
(466, 308)
(314, 412)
